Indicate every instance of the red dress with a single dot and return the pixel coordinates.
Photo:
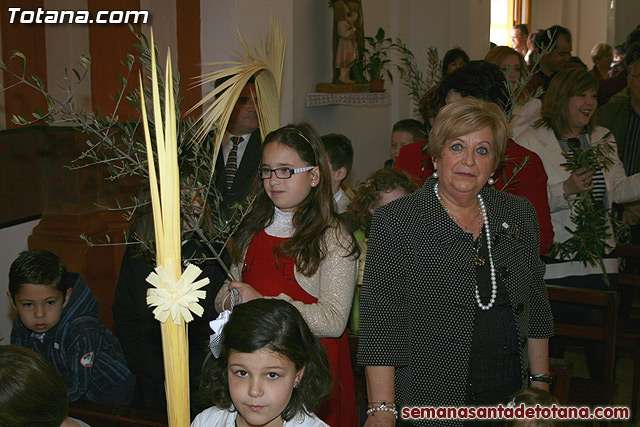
(260, 271)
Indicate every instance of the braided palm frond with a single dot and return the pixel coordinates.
(266, 63)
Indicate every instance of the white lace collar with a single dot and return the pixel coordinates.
(282, 225)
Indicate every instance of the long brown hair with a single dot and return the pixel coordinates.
(499, 54)
(555, 107)
(313, 217)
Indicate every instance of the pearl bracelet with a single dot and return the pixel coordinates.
(381, 406)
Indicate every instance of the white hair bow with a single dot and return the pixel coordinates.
(217, 325)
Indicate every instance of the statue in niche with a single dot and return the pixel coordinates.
(348, 33)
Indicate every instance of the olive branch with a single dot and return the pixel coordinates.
(412, 77)
(516, 169)
(121, 148)
(588, 241)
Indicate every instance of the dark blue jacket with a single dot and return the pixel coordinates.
(84, 352)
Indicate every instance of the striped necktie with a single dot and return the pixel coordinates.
(231, 168)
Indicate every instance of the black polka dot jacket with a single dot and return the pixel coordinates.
(418, 294)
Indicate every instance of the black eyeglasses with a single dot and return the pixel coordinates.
(281, 173)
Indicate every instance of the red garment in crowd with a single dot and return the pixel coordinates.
(530, 182)
(262, 273)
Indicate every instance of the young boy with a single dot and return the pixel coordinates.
(340, 153)
(404, 132)
(58, 318)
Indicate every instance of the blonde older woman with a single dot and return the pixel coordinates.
(454, 310)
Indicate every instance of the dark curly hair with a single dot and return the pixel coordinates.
(278, 326)
(369, 190)
(481, 80)
(452, 55)
(549, 37)
(314, 217)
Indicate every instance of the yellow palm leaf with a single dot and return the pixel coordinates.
(174, 295)
(266, 63)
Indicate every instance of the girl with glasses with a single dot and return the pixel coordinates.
(293, 246)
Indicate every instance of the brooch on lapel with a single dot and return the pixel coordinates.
(512, 231)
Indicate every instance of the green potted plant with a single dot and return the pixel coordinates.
(374, 61)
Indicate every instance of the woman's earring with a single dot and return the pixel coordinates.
(491, 181)
(296, 384)
(435, 174)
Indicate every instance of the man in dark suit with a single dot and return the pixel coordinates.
(241, 151)
(622, 117)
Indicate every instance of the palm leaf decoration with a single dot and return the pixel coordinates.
(266, 63)
(175, 295)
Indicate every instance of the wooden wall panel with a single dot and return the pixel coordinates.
(31, 163)
(108, 46)
(188, 26)
(34, 178)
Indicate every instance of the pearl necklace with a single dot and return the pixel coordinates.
(494, 284)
